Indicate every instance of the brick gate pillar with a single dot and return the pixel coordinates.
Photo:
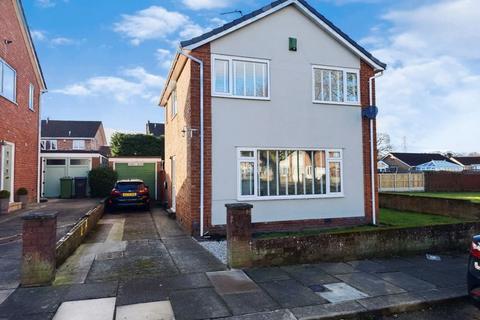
(39, 241)
(239, 234)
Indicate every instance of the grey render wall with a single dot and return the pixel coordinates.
(289, 119)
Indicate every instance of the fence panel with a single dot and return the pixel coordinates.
(401, 182)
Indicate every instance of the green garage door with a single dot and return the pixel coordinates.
(142, 171)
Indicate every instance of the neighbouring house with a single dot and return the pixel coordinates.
(469, 163)
(21, 85)
(70, 149)
(286, 123)
(404, 162)
(155, 129)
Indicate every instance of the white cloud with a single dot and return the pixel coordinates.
(155, 22)
(61, 41)
(164, 58)
(206, 4)
(136, 83)
(429, 93)
(42, 36)
(38, 35)
(45, 3)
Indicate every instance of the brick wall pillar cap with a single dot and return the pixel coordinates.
(40, 215)
(239, 206)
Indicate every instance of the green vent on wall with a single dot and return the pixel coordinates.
(292, 44)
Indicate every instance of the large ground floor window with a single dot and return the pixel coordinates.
(289, 173)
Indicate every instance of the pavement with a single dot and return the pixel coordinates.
(69, 211)
(140, 265)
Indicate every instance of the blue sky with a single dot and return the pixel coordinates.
(106, 60)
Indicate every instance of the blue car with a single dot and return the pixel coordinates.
(473, 278)
(129, 193)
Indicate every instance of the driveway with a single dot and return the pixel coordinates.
(69, 211)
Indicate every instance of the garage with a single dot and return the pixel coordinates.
(57, 168)
(145, 169)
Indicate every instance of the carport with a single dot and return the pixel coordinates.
(147, 169)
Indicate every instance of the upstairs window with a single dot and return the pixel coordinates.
(31, 97)
(48, 144)
(337, 86)
(78, 144)
(8, 80)
(241, 77)
(173, 103)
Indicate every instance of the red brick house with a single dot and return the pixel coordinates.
(70, 148)
(21, 84)
(286, 122)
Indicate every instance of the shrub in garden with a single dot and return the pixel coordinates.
(101, 181)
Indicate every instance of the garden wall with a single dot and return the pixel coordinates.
(362, 245)
(452, 181)
(463, 209)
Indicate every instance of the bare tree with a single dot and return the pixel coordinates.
(384, 145)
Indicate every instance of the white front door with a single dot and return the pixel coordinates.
(174, 191)
(6, 174)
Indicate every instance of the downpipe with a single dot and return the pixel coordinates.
(200, 63)
(372, 149)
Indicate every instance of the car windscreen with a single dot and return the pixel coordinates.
(129, 186)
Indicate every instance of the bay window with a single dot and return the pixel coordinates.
(240, 77)
(284, 174)
(338, 86)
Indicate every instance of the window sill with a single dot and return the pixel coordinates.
(6, 99)
(241, 97)
(352, 104)
(302, 197)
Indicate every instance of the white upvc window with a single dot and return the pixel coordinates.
(238, 77)
(8, 81)
(31, 97)
(173, 103)
(335, 85)
(48, 144)
(78, 144)
(269, 173)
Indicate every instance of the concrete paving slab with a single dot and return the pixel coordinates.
(91, 291)
(444, 293)
(290, 294)
(158, 310)
(395, 302)
(335, 267)
(340, 292)
(198, 304)
(167, 227)
(94, 309)
(142, 290)
(329, 310)
(406, 281)
(232, 281)
(369, 284)
(250, 302)
(146, 247)
(267, 274)
(271, 315)
(188, 281)
(393, 264)
(4, 294)
(368, 266)
(309, 274)
(437, 278)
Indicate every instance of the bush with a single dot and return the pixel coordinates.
(101, 181)
(4, 194)
(22, 192)
(124, 144)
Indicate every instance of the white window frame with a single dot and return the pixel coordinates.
(3, 63)
(254, 159)
(74, 147)
(344, 70)
(230, 91)
(31, 97)
(173, 103)
(43, 144)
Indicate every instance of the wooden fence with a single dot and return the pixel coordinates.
(401, 182)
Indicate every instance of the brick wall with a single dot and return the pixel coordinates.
(365, 73)
(67, 144)
(18, 124)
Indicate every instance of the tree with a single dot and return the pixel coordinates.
(383, 144)
(123, 144)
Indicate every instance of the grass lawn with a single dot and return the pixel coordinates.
(472, 196)
(388, 219)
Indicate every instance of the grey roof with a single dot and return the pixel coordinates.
(273, 5)
(68, 128)
(468, 160)
(156, 129)
(415, 159)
